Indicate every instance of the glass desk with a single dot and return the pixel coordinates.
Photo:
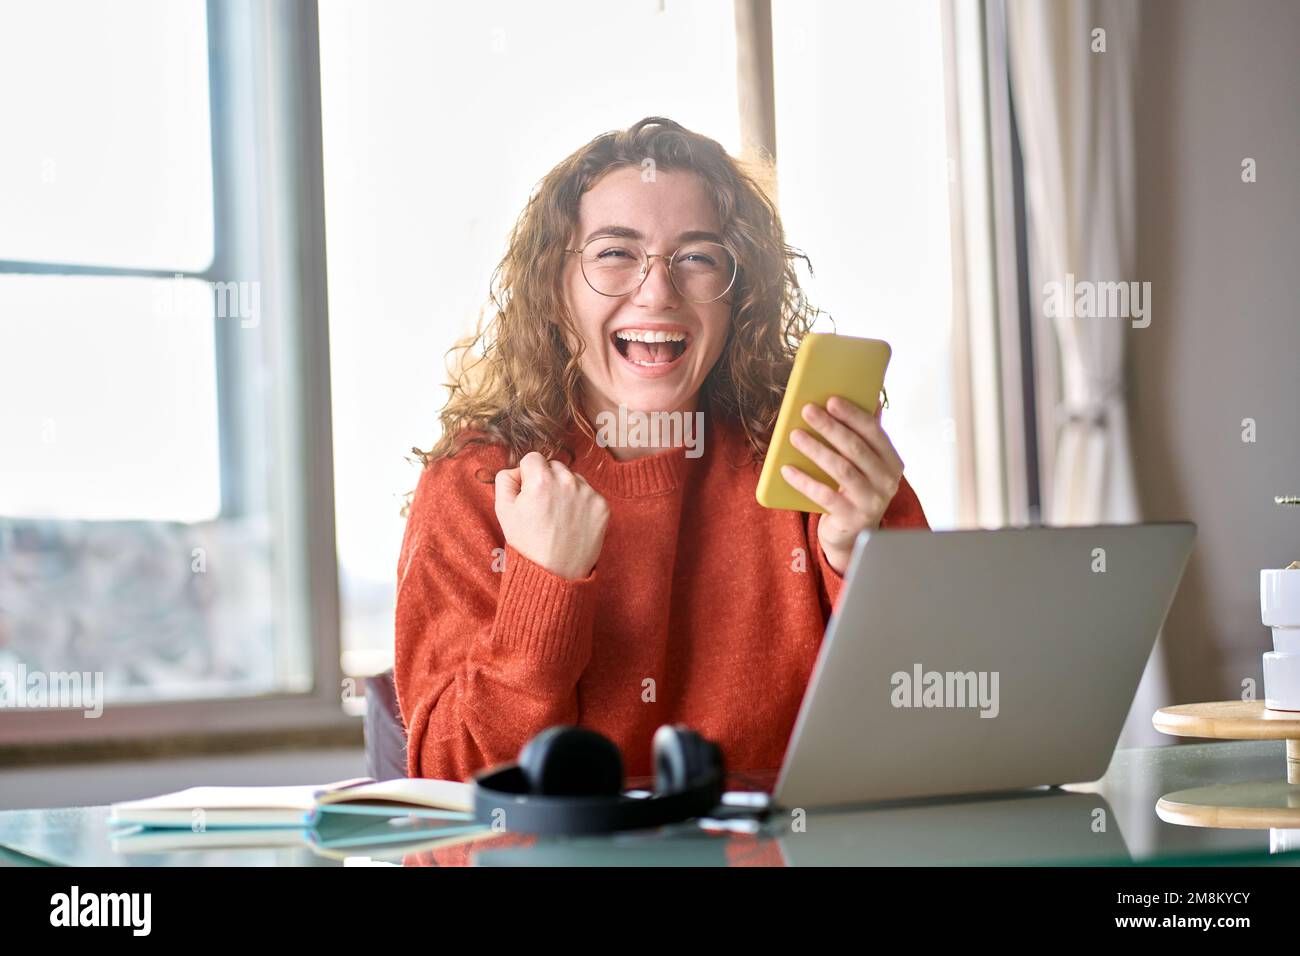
(1112, 821)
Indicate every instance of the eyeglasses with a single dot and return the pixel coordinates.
(700, 271)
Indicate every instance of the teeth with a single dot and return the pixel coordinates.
(639, 335)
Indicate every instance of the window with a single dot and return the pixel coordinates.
(107, 157)
(105, 167)
(160, 404)
(860, 115)
(183, 421)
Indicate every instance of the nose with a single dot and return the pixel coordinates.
(657, 289)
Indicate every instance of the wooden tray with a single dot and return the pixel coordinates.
(1235, 720)
(1228, 719)
(1257, 805)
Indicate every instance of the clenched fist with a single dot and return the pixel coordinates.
(551, 516)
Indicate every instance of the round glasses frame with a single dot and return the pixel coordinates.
(647, 260)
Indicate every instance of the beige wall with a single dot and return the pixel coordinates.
(1220, 82)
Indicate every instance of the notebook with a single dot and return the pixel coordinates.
(336, 836)
(201, 808)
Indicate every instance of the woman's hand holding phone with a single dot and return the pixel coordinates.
(551, 516)
(861, 459)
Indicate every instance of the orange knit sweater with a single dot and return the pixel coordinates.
(704, 608)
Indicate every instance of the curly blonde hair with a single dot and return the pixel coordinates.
(517, 383)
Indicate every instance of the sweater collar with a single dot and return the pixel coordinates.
(653, 474)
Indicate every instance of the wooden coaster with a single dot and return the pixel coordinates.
(1235, 720)
(1257, 805)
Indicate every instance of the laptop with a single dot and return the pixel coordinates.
(963, 662)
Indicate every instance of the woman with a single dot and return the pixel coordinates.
(549, 575)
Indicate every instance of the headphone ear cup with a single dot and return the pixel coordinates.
(572, 762)
(676, 758)
(706, 758)
(683, 758)
(531, 756)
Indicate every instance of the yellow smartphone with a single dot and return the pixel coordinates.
(825, 365)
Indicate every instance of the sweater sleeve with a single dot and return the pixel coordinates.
(904, 511)
(489, 644)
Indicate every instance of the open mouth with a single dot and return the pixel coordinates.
(651, 349)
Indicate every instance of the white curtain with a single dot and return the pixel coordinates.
(1075, 108)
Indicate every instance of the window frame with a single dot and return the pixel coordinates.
(268, 219)
(1001, 433)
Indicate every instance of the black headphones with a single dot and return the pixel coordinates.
(569, 780)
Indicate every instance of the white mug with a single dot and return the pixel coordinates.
(1279, 605)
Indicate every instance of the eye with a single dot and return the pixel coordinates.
(699, 258)
(614, 253)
